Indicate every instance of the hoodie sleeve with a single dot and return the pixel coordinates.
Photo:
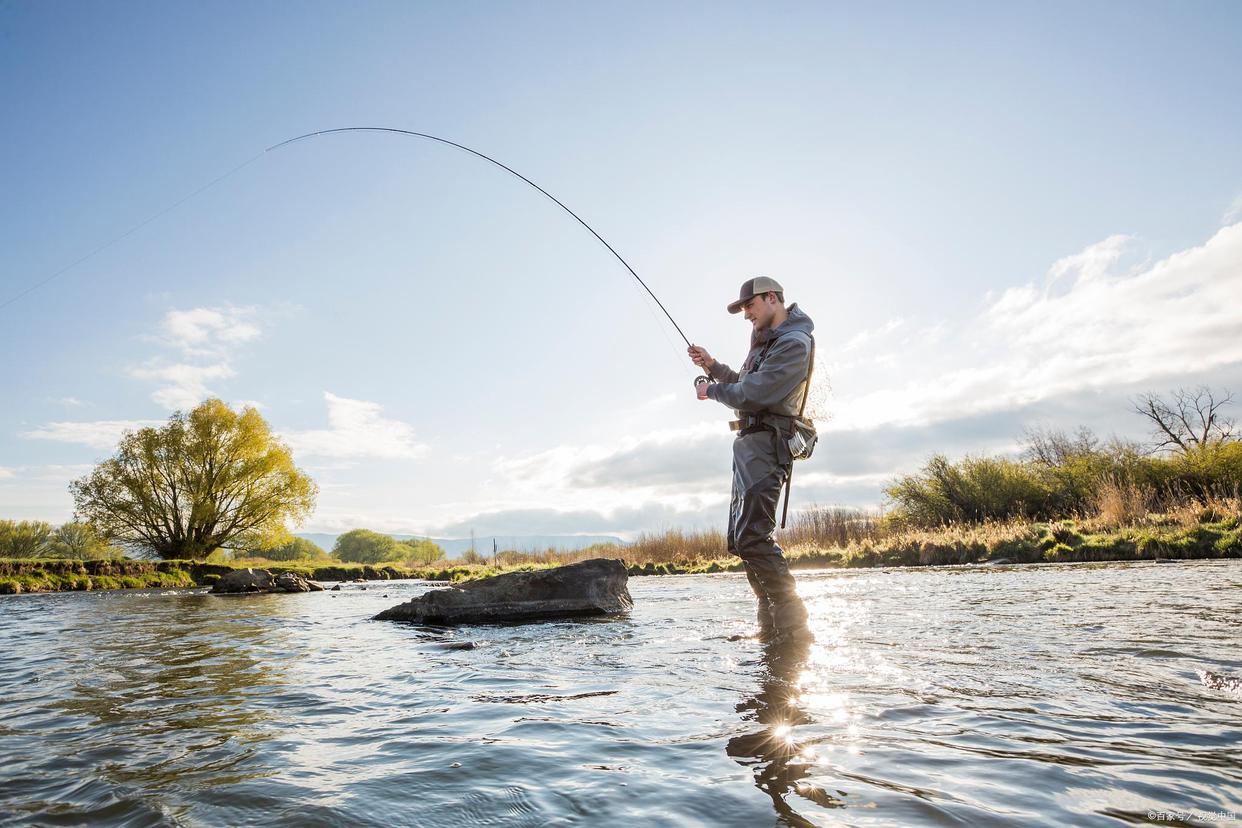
(778, 375)
(721, 372)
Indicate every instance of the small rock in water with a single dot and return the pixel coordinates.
(590, 588)
(455, 765)
(336, 588)
(458, 645)
(242, 581)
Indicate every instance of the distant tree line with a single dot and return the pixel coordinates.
(1195, 454)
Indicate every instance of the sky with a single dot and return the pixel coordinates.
(999, 216)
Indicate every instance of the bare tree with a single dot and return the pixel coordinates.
(1190, 420)
(1052, 448)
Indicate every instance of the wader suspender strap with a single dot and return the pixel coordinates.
(806, 392)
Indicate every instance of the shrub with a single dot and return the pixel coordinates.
(975, 490)
(297, 549)
(365, 546)
(25, 539)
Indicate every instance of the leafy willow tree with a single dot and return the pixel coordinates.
(81, 541)
(37, 539)
(365, 546)
(422, 550)
(208, 479)
(297, 549)
(25, 538)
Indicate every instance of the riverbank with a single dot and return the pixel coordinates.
(1014, 543)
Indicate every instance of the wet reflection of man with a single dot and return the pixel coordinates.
(779, 760)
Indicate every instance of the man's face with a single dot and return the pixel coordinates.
(760, 310)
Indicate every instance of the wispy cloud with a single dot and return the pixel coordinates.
(204, 340)
(100, 434)
(182, 385)
(624, 521)
(7, 472)
(679, 458)
(357, 429)
(209, 331)
(1093, 323)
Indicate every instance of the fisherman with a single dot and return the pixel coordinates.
(768, 393)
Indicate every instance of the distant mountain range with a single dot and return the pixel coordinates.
(454, 547)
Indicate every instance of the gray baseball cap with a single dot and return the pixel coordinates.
(752, 288)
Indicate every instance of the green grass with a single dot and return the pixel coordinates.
(1160, 537)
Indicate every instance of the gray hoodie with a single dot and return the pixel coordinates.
(776, 383)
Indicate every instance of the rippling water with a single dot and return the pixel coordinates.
(1048, 695)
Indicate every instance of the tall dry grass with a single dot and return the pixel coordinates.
(828, 527)
(1122, 502)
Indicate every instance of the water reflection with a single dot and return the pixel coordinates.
(162, 704)
(781, 762)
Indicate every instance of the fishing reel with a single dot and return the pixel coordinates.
(702, 379)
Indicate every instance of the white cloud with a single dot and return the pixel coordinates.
(6, 473)
(358, 429)
(209, 331)
(204, 338)
(1093, 324)
(182, 385)
(675, 457)
(100, 434)
(72, 402)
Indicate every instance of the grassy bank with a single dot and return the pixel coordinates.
(20, 575)
(1204, 534)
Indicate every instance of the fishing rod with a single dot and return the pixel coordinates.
(405, 132)
(509, 170)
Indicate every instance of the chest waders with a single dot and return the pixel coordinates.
(796, 436)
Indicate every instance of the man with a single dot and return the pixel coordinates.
(767, 393)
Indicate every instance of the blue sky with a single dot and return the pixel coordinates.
(998, 215)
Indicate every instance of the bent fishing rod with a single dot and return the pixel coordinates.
(395, 131)
(509, 170)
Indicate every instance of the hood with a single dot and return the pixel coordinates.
(796, 321)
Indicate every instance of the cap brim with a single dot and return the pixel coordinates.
(736, 307)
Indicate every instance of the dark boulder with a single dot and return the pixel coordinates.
(595, 587)
(260, 580)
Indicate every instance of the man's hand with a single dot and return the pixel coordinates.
(700, 388)
(700, 357)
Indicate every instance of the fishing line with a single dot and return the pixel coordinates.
(393, 130)
(131, 231)
(507, 169)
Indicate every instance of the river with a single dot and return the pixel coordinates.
(1012, 695)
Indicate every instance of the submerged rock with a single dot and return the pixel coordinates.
(595, 587)
(260, 580)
